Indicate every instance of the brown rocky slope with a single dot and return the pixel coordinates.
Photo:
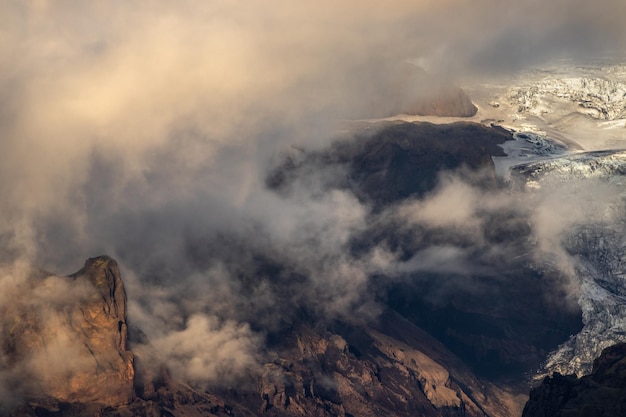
(337, 369)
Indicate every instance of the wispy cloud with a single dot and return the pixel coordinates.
(145, 130)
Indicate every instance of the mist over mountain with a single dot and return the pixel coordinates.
(285, 250)
(295, 322)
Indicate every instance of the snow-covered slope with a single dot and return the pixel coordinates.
(595, 246)
(585, 104)
(597, 97)
(600, 251)
(605, 165)
(604, 318)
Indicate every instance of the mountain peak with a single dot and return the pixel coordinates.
(68, 341)
(104, 274)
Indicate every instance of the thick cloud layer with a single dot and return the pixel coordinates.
(168, 94)
(144, 130)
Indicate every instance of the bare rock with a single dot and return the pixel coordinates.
(391, 369)
(64, 339)
(101, 320)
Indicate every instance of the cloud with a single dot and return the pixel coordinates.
(144, 130)
(215, 82)
(563, 208)
(209, 352)
(455, 202)
(490, 37)
(465, 230)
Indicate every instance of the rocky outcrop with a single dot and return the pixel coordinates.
(416, 92)
(102, 321)
(64, 340)
(602, 393)
(65, 346)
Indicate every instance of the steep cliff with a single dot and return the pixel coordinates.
(64, 339)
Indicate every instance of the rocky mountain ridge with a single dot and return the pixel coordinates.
(337, 370)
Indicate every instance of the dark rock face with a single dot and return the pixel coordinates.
(388, 162)
(602, 393)
(502, 332)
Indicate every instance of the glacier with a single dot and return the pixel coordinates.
(599, 98)
(596, 245)
(569, 132)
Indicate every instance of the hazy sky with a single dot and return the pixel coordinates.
(134, 127)
(221, 86)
